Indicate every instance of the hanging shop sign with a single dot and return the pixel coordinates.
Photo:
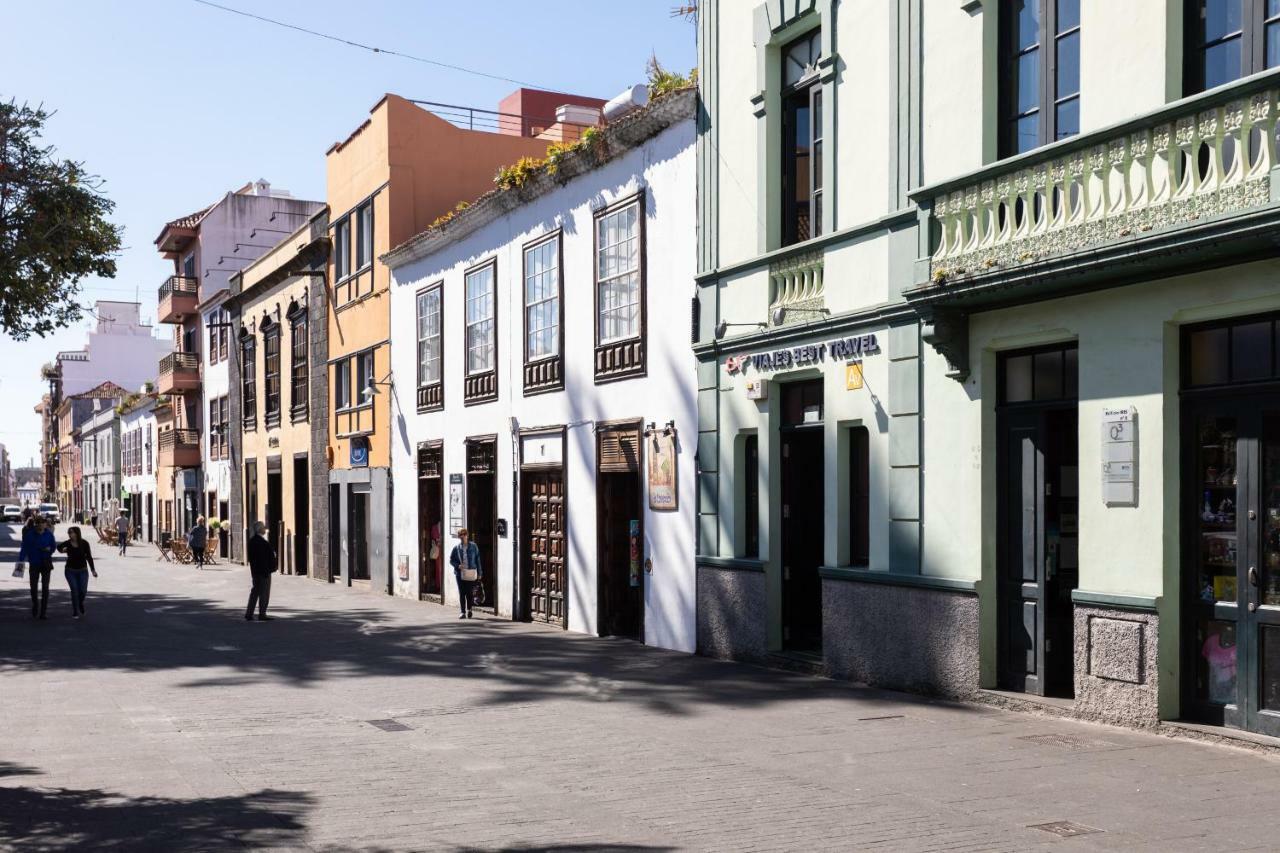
(663, 488)
(359, 454)
(456, 505)
(840, 349)
(1120, 456)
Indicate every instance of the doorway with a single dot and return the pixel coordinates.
(224, 535)
(358, 534)
(275, 510)
(542, 572)
(431, 544)
(301, 515)
(1231, 506)
(803, 515)
(335, 532)
(1038, 511)
(482, 506)
(619, 532)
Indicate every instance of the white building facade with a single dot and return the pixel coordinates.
(100, 462)
(120, 349)
(137, 465)
(544, 389)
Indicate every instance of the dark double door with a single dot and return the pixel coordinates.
(803, 528)
(1232, 560)
(619, 531)
(543, 570)
(431, 543)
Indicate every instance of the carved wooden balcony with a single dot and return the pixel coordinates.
(179, 296)
(179, 373)
(179, 448)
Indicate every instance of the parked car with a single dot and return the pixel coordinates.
(12, 513)
(50, 513)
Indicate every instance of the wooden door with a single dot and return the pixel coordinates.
(544, 547)
(1022, 554)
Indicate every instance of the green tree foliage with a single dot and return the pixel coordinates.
(53, 228)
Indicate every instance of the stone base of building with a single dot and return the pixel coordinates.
(909, 638)
(733, 611)
(1116, 665)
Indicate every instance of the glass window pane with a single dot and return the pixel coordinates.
(1068, 14)
(1209, 357)
(1221, 18)
(1067, 119)
(1222, 63)
(1216, 676)
(1273, 45)
(1017, 379)
(1068, 82)
(1027, 91)
(1269, 666)
(1026, 133)
(1071, 373)
(1273, 8)
(1027, 27)
(1251, 351)
(1048, 379)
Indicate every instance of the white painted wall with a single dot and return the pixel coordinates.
(664, 167)
(120, 349)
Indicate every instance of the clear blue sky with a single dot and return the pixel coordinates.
(174, 103)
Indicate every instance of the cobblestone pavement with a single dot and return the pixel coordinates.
(164, 721)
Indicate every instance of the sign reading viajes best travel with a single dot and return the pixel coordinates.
(1120, 456)
(663, 488)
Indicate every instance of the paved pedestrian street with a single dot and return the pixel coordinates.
(164, 721)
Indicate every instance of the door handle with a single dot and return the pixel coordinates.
(1253, 576)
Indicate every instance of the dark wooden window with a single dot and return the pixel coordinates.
(802, 135)
(364, 235)
(431, 348)
(1040, 375)
(342, 384)
(248, 382)
(1229, 39)
(364, 379)
(481, 380)
(271, 374)
(620, 290)
(859, 497)
(1039, 73)
(751, 496)
(148, 449)
(298, 372)
(342, 249)
(543, 316)
(482, 455)
(1236, 352)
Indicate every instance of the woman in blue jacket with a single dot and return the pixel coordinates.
(465, 559)
(37, 552)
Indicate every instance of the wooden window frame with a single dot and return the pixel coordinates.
(809, 91)
(342, 252)
(361, 232)
(1046, 100)
(342, 368)
(248, 381)
(481, 386)
(545, 373)
(299, 371)
(627, 358)
(430, 394)
(271, 401)
(1252, 35)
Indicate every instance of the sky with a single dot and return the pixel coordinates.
(174, 103)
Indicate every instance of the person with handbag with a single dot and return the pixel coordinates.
(79, 564)
(465, 559)
(37, 550)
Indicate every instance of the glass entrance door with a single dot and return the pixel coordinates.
(1235, 551)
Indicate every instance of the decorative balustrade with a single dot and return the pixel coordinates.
(1209, 155)
(796, 282)
(174, 438)
(179, 284)
(176, 362)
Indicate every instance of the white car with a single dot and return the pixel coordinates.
(50, 513)
(12, 513)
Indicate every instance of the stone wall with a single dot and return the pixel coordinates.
(732, 613)
(1116, 665)
(901, 637)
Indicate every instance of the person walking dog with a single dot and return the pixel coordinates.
(79, 564)
(197, 538)
(465, 559)
(37, 552)
(262, 564)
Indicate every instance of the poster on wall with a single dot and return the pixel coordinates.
(663, 489)
(456, 505)
(402, 566)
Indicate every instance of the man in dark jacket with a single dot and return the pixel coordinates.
(262, 564)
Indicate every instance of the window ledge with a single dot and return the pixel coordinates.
(864, 575)
(737, 564)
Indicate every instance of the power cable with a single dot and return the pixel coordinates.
(368, 47)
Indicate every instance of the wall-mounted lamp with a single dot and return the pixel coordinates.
(780, 313)
(371, 390)
(723, 326)
(651, 428)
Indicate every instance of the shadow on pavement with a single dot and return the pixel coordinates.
(134, 632)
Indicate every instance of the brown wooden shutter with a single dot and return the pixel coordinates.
(620, 449)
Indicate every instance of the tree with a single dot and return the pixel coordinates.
(53, 228)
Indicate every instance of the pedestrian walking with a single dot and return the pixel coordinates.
(262, 564)
(123, 528)
(197, 538)
(465, 559)
(37, 550)
(79, 564)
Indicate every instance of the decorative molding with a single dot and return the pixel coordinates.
(1140, 603)
(948, 333)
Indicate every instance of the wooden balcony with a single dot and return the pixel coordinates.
(179, 448)
(179, 373)
(179, 296)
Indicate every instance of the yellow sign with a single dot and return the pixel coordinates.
(853, 376)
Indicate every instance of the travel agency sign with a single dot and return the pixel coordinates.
(840, 349)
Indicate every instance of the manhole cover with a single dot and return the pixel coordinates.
(1067, 741)
(1065, 828)
(389, 725)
